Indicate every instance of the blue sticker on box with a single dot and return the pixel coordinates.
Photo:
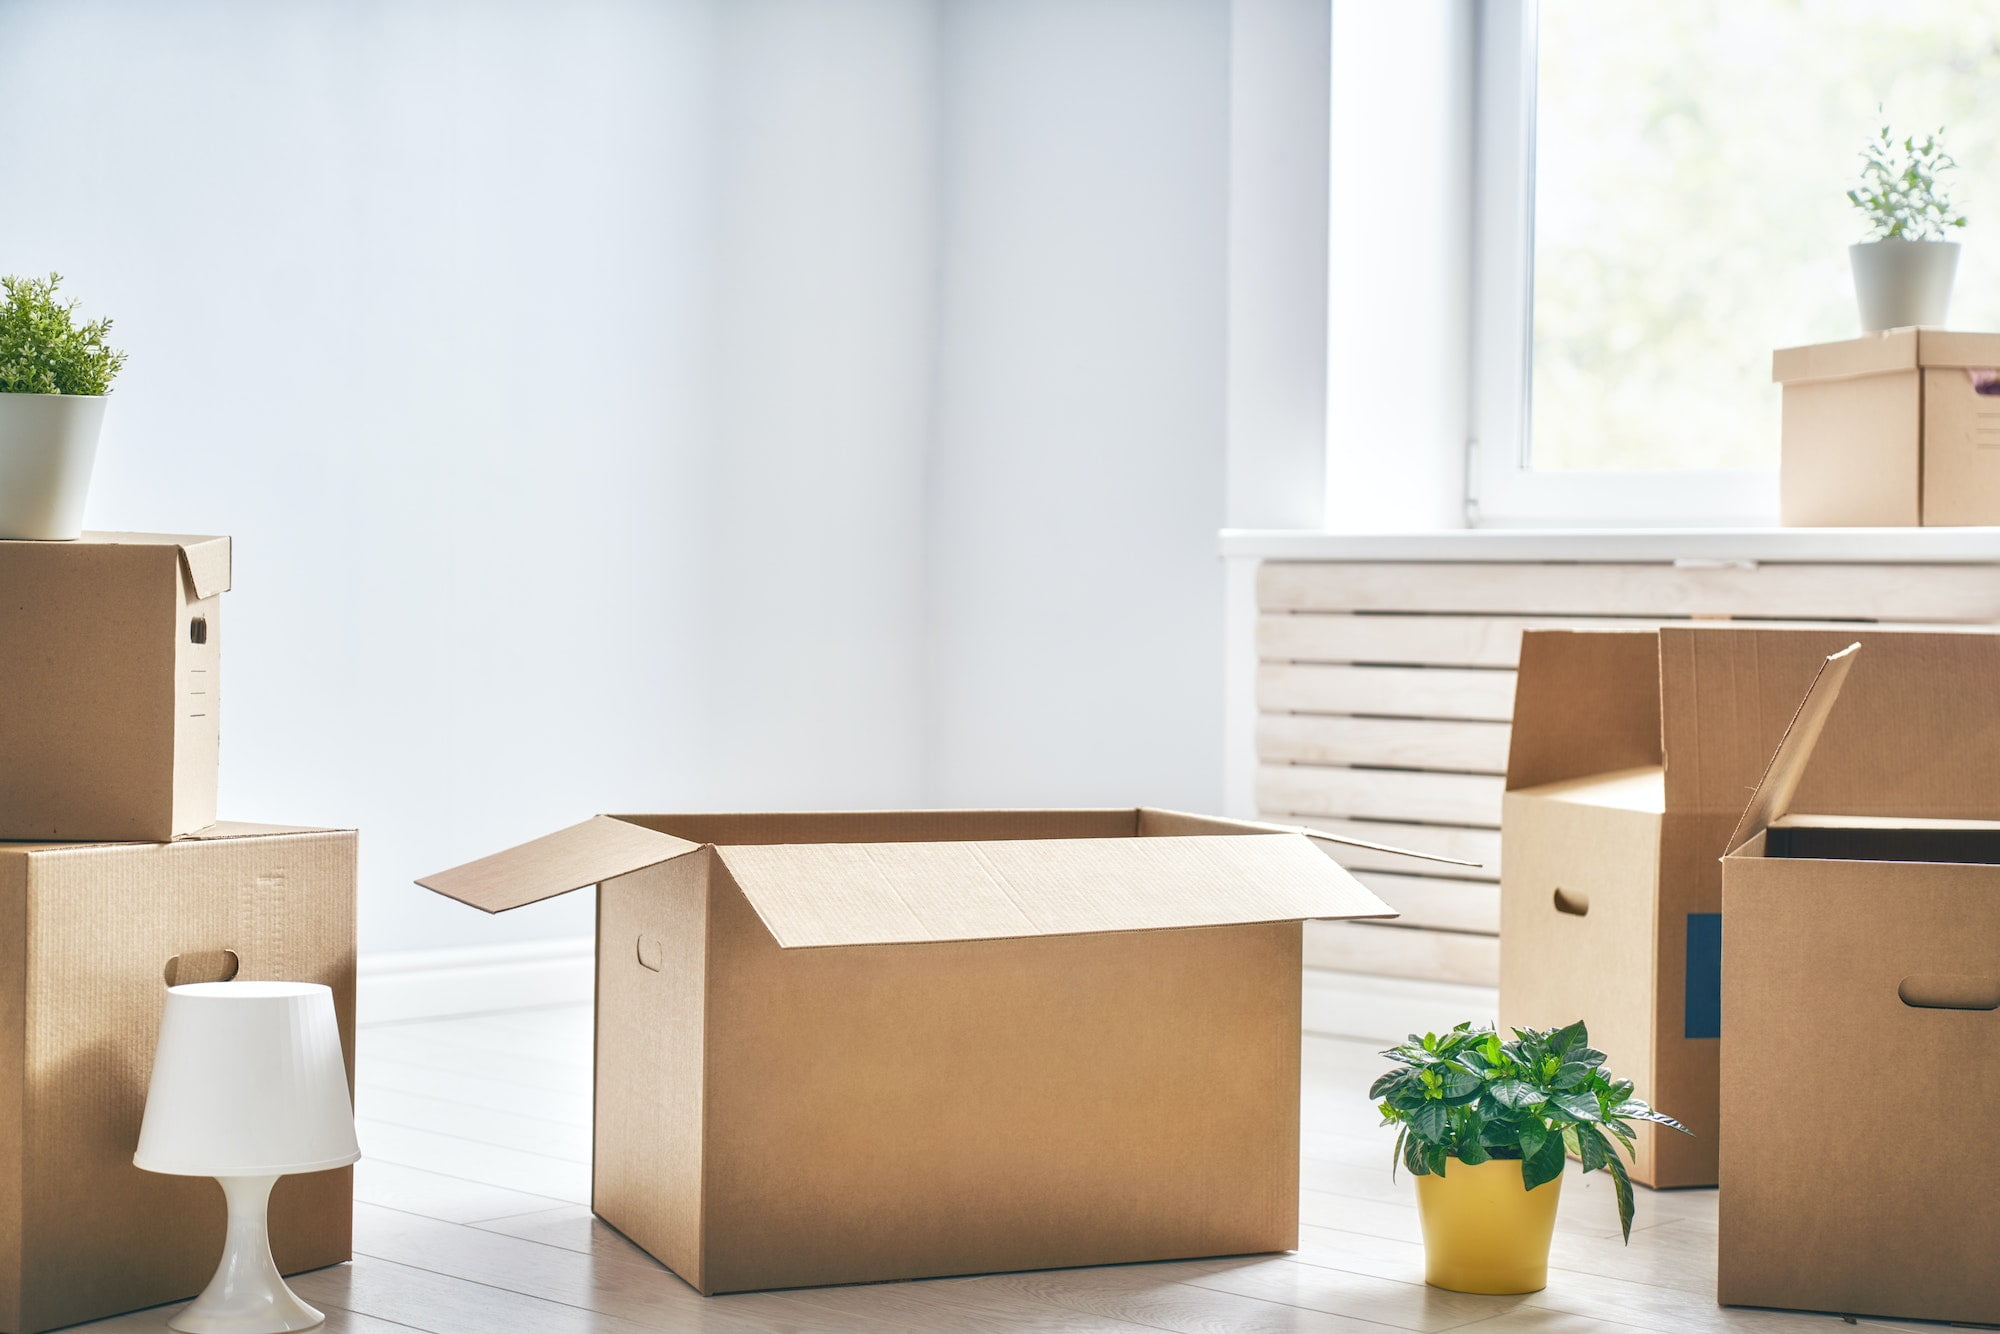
(1704, 976)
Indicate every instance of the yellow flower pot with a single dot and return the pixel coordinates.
(1483, 1232)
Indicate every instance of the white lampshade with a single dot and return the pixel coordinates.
(248, 1081)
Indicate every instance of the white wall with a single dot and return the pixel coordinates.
(657, 405)
(1075, 595)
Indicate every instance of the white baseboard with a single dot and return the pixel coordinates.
(1389, 1009)
(432, 984)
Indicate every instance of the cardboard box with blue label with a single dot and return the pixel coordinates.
(1632, 756)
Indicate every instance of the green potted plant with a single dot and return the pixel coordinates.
(54, 374)
(1903, 273)
(1486, 1127)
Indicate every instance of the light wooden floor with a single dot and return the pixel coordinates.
(472, 1218)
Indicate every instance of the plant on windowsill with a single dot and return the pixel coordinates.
(1486, 1127)
(1903, 274)
(54, 375)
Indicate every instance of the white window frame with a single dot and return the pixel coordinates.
(1502, 489)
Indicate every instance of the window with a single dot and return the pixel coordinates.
(1660, 204)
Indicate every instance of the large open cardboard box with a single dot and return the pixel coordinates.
(1861, 996)
(1896, 428)
(110, 685)
(839, 1048)
(89, 938)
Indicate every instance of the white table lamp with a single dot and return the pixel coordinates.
(248, 1086)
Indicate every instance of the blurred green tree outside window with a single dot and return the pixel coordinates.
(1690, 169)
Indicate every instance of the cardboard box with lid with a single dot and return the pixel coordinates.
(90, 938)
(1861, 990)
(1631, 757)
(110, 686)
(1897, 429)
(855, 1046)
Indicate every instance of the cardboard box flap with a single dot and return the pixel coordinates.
(583, 854)
(205, 561)
(1780, 783)
(205, 564)
(1156, 822)
(1917, 734)
(1585, 702)
(812, 895)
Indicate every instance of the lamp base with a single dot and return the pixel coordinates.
(247, 1294)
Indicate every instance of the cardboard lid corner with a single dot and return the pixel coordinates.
(599, 849)
(1780, 783)
(206, 565)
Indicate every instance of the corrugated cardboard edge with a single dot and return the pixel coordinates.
(1773, 796)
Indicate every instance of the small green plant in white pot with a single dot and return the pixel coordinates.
(54, 375)
(1903, 274)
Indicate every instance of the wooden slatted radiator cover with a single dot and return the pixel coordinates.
(1384, 690)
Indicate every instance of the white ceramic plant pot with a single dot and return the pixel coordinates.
(1900, 283)
(48, 443)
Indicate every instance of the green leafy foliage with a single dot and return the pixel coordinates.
(42, 348)
(1900, 193)
(1469, 1096)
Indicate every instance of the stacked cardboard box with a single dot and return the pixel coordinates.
(116, 882)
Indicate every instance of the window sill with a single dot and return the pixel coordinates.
(1856, 546)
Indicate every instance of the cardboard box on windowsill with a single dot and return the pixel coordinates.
(848, 1047)
(1898, 428)
(1861, 994)
(90, 938)
(110, 686)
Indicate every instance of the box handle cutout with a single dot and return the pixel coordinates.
(1950, 991)
(198, 630)
(652, 953)
(201, 966)
(1573, 902)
